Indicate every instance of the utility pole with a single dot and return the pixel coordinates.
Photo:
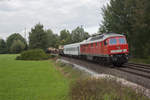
(25, 34)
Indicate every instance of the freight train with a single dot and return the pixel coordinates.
(109, 48)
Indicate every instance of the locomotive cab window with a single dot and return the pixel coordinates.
(112, 41)
(122, 41)
(105, 42)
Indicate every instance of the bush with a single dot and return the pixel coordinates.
(36, 54)
(51, 55)
(17, 46)
(102, 89)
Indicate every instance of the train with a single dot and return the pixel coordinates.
(106, 49)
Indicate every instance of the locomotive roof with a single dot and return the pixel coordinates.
(72, 45)
(100, 38)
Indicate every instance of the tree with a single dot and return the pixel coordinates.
(17, 46)
(119, 17)
(141, 28)
(50, 36)
(133, 18)
(56, 41)
(65, 37)
(79, 35)
(14, 37)
(3, 47)
(38, 38)
(53, 39)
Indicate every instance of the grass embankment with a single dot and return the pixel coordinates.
(73, 74)
(138, 60)
(84, 87)
(31, 80)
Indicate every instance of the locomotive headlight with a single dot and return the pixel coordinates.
(118, 51)
(111, 55)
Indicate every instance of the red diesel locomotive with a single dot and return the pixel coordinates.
(106, 48)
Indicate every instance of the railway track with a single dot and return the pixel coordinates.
(145, 66)
(142, 70)
(136, 73)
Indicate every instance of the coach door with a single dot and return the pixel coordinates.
(78, 50)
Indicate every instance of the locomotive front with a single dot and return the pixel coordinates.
(118, 50)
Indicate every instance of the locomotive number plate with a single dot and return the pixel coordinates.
(118, 51)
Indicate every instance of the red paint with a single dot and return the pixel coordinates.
(99, 48)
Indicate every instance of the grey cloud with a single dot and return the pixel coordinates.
(15, 15)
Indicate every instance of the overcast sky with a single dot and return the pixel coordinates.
(16, 15)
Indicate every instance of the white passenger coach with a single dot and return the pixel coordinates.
(72, 49)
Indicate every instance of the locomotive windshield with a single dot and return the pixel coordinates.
(113, 41)
(122, 41)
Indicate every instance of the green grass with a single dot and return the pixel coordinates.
(72, 73)
(103, 89)
(41, 80)
(138, 60)
(31, 80)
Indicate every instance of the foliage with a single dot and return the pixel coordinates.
(31, 80)
(65, 37)
(38, 38)
(53, 39)
(102, 89)
(79, 35)
(85, 88)
(132, 18)
(72, 73)
(43, 39)
(3, 47)
(36, 54)
(141, 28)
(52, 55)
(15, 37)
(139, 60)
(17, 46)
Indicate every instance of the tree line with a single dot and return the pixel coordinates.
(131, 17)
(41, 39)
